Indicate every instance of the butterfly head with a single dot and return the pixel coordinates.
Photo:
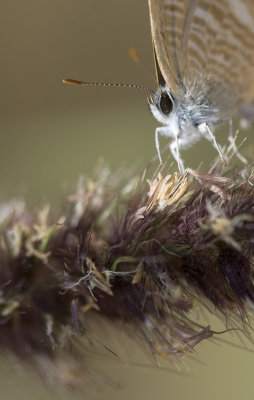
(162, 104)
(175, 114)
(165, 108)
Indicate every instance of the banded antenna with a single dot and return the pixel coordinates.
(127, 85)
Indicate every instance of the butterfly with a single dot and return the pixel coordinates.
(204, 59)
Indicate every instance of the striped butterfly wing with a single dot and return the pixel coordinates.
(206, 46)
(166, 38)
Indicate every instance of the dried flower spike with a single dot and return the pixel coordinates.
(150, 261)
(166, 191)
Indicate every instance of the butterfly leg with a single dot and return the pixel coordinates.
(163, 131)
(157, 143)
(207, 132)
(174, 147)
(231, 140)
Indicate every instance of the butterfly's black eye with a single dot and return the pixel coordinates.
(166, 104)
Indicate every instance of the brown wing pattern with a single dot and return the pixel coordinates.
(231, 54)
(167, 35)
(209, 41)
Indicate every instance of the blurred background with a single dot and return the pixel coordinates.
(52, 133)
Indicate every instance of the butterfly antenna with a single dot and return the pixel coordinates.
(134, 56)
(128, 85)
